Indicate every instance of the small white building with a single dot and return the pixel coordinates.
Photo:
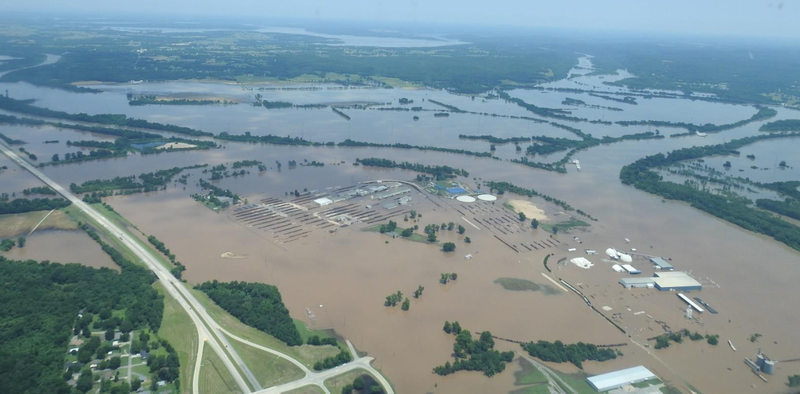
(323, 201)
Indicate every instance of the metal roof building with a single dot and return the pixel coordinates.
(617, 379)
(638, 283)
(669, 281)
(661, 263)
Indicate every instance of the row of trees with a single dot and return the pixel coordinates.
(575, 353)
(350, 143)
(640, 174)
(503, 187)
(439, 172)
(21, 205)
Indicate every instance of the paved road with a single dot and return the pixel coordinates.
(174, 287)
(208, 331)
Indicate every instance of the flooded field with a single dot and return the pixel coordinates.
(344, 276)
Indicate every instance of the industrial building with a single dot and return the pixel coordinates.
(674, 281)
(623, 377)
(661, 264)
(638, 283)
(664, 281)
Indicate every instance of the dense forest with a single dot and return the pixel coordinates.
(438, 172)
(640, 174)
(575, 353)
(256, 304)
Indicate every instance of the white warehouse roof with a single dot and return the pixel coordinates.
(323, 201)
(612, 380)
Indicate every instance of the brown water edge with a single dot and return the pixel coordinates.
(61, 246)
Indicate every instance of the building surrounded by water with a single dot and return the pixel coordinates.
(623, 377)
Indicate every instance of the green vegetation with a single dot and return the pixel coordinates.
(449, 107)
(762, 114)
(790, 207)
(493, 139)
(393, 299)
(255, 304)
(755, 337)
(214, 376)
(447, 277)
(11, 141)
(438, 172)
(27, 107)
(794, 381)
(269, 370)
(150, 181)
(640, 174)
(12, 225)
(21, 205)
(781, 125)
(624, 100)
(359, 144)
(340, 113)
(575, 353)
(267, 139)
(564, 226)
(448, 247)
(177, 328)
(149, 99)
(42, 301)
(39, 190)
(472, 355)
(529, 375)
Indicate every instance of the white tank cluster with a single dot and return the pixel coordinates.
(617, 255)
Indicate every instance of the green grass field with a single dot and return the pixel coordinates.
(306, 354)
(270, 370)
(214, 377)
(336, 383)
(17, 224)
(177, 328)
(310, 389)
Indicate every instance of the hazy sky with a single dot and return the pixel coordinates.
(718, 17)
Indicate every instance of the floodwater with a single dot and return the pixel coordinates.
(748, 278)
(62, 246)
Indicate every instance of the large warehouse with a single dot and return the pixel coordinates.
(672, 280)
(617, 379)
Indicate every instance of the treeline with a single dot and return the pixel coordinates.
(503, 187)
(786, 208)
(350, 143)
(581, 103)
(41, 302)
(246, 163)
(781, 125)
(624, 100)
(439, 172)
(21, 205)
(340, 113)
(640, 174)
(177, 270)
(554, 144)
(150, 181)
(274, 104)
(547, 112)
(256, 304)
(39, 190)
(449, 107)
(153, 100)
(494, 140)
(11, 141)
(129, 134)
(475, 355)
(218, 191)
(575, 353)
(268, 139)
(762, 114)
(26, 107)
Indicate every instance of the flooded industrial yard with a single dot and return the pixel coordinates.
(343, 276)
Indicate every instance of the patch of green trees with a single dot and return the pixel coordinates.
(475, 355)
(439, 172)
(258, 305)
(21, 205)
(575, 353)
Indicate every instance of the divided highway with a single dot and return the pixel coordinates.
(208, 331)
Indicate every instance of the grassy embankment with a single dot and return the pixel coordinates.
(310, 389)
(16, 224)
(177, 328)
(214, 377)
(532, 378)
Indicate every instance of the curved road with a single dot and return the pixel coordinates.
(208, 331)
(174, 287)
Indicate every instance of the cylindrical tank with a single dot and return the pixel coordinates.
(769, 367)
(760, 360)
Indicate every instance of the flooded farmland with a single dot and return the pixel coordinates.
(344, 276)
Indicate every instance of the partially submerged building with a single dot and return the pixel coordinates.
(623, 377)
(664, 281)
(661, 264)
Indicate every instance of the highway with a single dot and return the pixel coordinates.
(173, 286)
(208, 331)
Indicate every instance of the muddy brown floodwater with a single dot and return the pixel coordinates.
(750, 279)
